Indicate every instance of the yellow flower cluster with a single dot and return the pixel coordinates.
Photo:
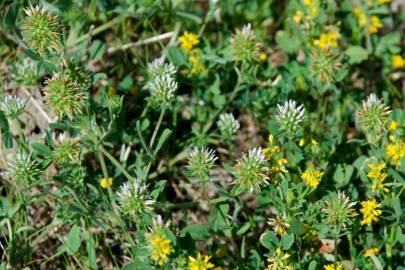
(161, 247)
(201, 262)
(371, 251)
(188, 41)
(378, 176)
(337, 266)
(373, 25)
(270, 151)
(104, 183)
(398, 61)
(313, 7)
(279, 261)
(370, 210)
(312, 177)
(327, 40)
(395, 151)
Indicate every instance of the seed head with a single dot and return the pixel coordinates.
(12, 106)
(228, 125)
(162, 90)
(25, 169)
(372, 116)
(250, 169)
(290, 117)
(339, 210)
(41, 30)
(66, 151)
(200, 162)
(65, 96)
(158, 68)
(244, 47)
(134, 199)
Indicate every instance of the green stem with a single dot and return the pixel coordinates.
(103, 166)
(116, 163)
(152, 140)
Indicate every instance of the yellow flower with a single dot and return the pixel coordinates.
(360, 15)
(312, 177)
(104, 183)
(197, 66)
(307, 2)
(201, 262)
(298, 16)
(262, 57)
(396, 151)
(302, 142)
(273, 149)
(371, 251)
(278, 262)
(337, 266)
(327, 40)
(377, 176)
(393, 125)
(161, 247)
(382, 2)
(370, 210)
(188, 41)
(375, 24)
(398, 61)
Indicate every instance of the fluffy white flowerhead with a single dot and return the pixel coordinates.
(290, 116)
(228, 125)
(134, 199)
(201, 161)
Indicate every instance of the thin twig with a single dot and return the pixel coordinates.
(140, 42)
(36, 104)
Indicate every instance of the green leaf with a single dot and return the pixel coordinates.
(73, 240)
(287, 241)
(396, 203)
(165, 135)
(42, 150)
(269, 238)
(356, 54)
(312, 265)
(177, 56)
(288, 43)
(97, 50)
(198, 232)
(158, 188)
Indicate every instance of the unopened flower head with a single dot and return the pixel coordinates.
(12, 106)
(134, 199)
(250, 169)
(158, 68)
(339, 210)
(66, 151)
(41, 30)
(290, 116)
(325, 64)
(201, 161)
(26, 72)
(65, 96)
(162, 90)
(25, 169)
(372, 116)
(228, 125)
(244, 47)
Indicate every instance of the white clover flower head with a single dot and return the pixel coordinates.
(290, 116)
(201, 161)
(12, 106)
(158, 68)
(250, 169)
(25, 169)
(228, 125)
(162, 90)
(372, 116)
(134, 199)
(66, 151)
